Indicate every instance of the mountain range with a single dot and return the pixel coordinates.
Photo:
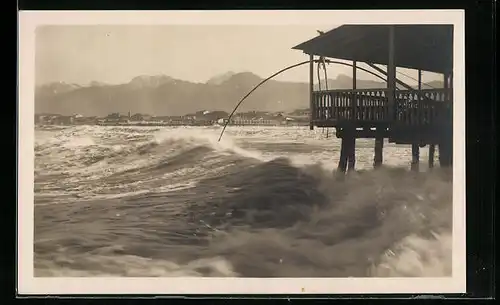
(164, 95)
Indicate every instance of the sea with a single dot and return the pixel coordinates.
(262, 202)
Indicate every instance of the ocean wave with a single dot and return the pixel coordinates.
(179, 203)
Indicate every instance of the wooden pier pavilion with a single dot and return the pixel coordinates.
(401, 113)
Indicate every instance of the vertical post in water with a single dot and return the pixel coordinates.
(432, 149)
(391, 73)
(311, 92)
(379, 147)
(415, 157)
(342, 167)
(351, 149)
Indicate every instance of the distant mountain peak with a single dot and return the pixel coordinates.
(245, 79)
(150, 80)
(57, 87)
(343, 77)
(97, 84)
(219, 79)
(231, 76)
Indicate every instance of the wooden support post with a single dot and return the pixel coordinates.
(432, 149)
(354, 98)
(445, 87)
(354, 74)
(342, 167)
(415, 157)
(311, 90)
(450, 85)
(347, 151)
(446, 80)
(445, 153)
(391, 73)
(419, 79)
(379, 147)
(351, 153)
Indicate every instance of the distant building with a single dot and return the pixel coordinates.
(137, 117)
(61, 120)
(83, 120)
(113, 116)
(116, 118)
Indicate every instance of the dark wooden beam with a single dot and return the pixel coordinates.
(342, 167)
(385, 74)
(347, 151)
(354, 74)
(365, 133)
(419, 79)
(419, 84)
(354, 99)
(415, 157)
(432, 149)
(391, 72)
(351, 152)
(446, 86)
(379, 147)
(445, 153)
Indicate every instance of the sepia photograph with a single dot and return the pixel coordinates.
(242, 149)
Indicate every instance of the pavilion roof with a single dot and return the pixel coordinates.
(417, 46)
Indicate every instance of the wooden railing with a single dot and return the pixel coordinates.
(411, 107)
(424, 107)
(349, 105)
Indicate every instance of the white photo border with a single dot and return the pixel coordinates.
(28, 284)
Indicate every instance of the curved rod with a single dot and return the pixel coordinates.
(283, 70)
(318, 68)
(319, 82)
(326, 83)
(326, 75)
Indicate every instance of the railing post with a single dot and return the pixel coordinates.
(311, 92)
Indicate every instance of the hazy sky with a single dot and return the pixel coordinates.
(116, 54)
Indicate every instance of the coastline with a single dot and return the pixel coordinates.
(169, 124)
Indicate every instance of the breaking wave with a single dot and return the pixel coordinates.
(175, 202)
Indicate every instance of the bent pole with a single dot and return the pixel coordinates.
(281, 71)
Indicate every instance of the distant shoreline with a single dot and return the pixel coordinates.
(177, 125)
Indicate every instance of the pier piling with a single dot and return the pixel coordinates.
(379, 147)
(351, 153)
(415, 157)
(432, 149)
(445, 154)
(343, 156)
(347, 151)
